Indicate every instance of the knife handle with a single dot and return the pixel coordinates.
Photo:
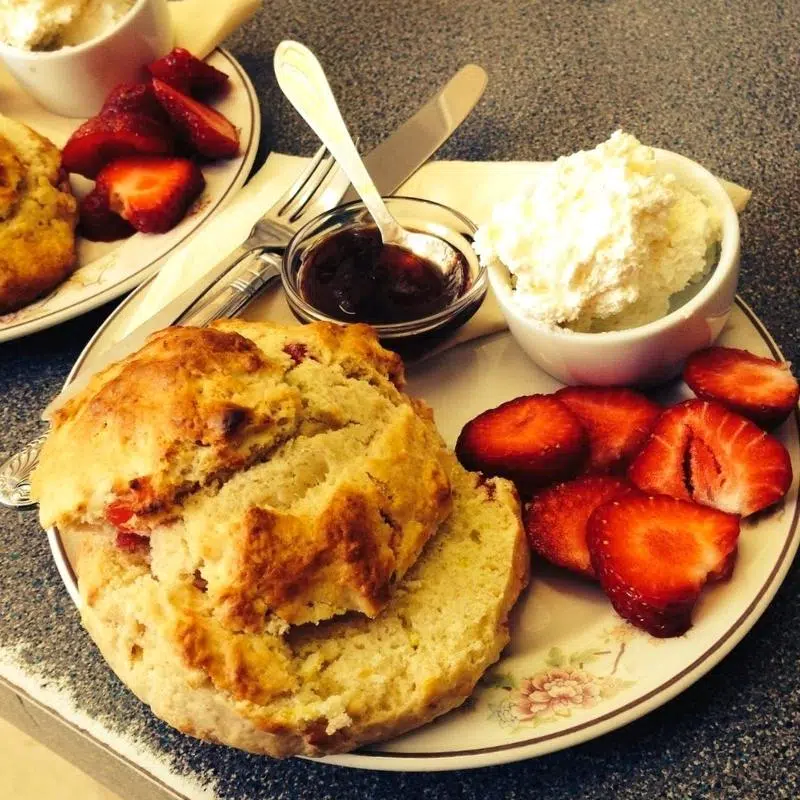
(252, 277)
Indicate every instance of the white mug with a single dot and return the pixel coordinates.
(74, 81)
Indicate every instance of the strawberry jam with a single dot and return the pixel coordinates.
(353, 276)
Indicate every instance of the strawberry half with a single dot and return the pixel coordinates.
(701, 451)
(653, 555)
(114, 135)
(153, 194)
(534, 440)
(206, 131)
(136, 98)
(760, 389)
(181, 70)
(618, 422)
(555, 520)
(99, 223)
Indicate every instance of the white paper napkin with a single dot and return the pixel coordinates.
(472, 188)
(200, 25)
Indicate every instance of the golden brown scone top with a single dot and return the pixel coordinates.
(38, 215)
(295, 477)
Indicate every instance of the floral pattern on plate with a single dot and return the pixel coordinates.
(565, 684)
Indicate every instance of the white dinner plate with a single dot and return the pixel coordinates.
(590, 671)
(107, 270)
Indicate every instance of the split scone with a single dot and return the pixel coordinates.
(38, 215)
(277, 551)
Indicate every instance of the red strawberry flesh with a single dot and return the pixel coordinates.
(105, 138)
(701, 451)
(618, 422)
(99, 223)
(188, 74)
(556, 519)
(136, 98)
(153, 194)
(534, 440)
(206, 131)
(760, 389)
(653, 555)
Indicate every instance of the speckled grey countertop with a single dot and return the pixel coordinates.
(716, 80)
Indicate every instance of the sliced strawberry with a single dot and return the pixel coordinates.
(114, 135)
(152, 193)
(136, 98)
(207, 131)
(618, 422)
(534, 440)
(556, 518)
(760, 389)
(181, 70)
(701, 451)
(99, 223)
(653, 555)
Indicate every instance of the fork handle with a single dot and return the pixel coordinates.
(241, 286)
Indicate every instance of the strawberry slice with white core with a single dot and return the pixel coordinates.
(653, 555)
(618, 422)
(701, 451)
(153, 194)
(555, 520)
(205, 130)
(760, 389)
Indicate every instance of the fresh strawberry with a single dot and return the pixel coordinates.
(114, 135)
(99, 223)
(152, 193)
(556, 518)
(533, 440)
(653, 555)
(760, 389)
(701, 451)
(136, 98)
(181, 70)
(206, 131)
(618, 422)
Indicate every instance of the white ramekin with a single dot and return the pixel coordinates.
(651, 353)
(74, 81)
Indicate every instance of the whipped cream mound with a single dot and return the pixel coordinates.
(602, 240)
(51, 24)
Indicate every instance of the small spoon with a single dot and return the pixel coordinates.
(303, 81)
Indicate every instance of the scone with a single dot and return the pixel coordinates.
(277, 551)
(38, 215)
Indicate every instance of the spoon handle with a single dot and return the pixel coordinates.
(303, 81)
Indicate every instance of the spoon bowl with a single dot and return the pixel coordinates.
(303, 81)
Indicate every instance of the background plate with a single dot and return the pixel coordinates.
(108, 270)
(598, 672)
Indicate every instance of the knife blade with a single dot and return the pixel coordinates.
(395, 160)
(391, 163)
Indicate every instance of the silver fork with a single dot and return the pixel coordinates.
(245, 272)
(320, 187)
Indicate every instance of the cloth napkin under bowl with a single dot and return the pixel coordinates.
(472, 188)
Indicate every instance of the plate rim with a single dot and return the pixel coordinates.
(544, 744)
(56, 317)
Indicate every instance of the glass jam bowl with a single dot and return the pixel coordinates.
(411, 337)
